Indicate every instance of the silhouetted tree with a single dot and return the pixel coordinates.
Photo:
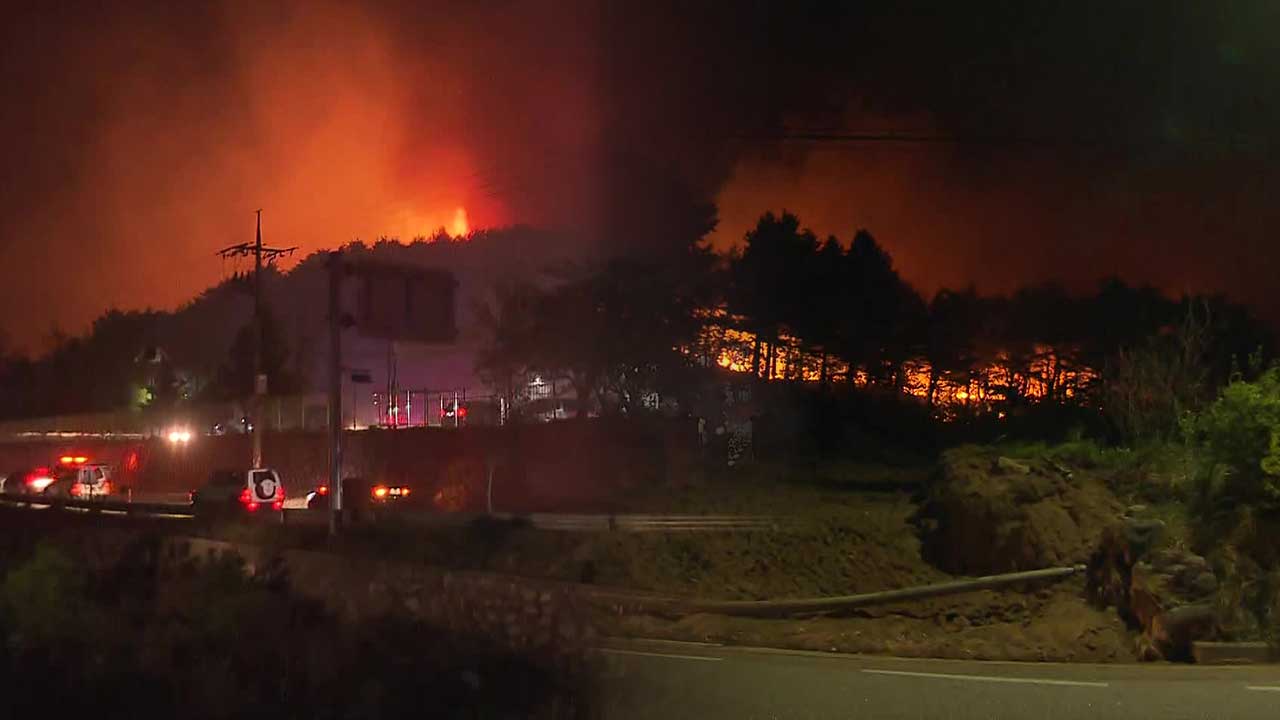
(769, 282)
(236, 378)
(883, 317)
(955, 323)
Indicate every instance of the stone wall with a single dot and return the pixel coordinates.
(543, 619)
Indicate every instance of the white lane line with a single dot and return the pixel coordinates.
(989, 678)
(660, 655)
(661, 641)
(1263, 688)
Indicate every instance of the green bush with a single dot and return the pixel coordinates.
(1239, 436)
(209, 640)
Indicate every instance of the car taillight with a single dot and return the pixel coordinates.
(251, 506)
(380, 491)
(277, 505)
(39, 480)
(322, 490)
(245, 497)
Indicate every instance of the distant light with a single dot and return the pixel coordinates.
(322, 490)
(179, 435)
(380, 491)
(66, 459)
(80, 459)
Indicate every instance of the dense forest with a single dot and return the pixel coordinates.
(784, 307)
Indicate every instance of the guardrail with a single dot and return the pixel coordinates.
(561, 522)
(566, 522)
(106, 506)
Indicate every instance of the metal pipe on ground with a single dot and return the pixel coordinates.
(677, 607)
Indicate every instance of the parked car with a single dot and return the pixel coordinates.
(28, 481)
(76, 478)
(239, 491)
(400, 495)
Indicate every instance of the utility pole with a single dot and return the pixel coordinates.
(336, 272)
(260, 253)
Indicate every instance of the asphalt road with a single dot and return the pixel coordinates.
(649, 679)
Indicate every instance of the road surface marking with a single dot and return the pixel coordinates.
(660, 655)
(1263, 688)
(989, 678)
(662, 641)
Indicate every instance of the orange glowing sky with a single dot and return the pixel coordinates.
(149, 135)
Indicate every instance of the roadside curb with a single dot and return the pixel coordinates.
(1233, 653)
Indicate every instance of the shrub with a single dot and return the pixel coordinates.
(1239, 435)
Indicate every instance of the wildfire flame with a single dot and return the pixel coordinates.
(1045, 374)
(460, 227)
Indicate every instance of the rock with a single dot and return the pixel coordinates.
(1206, 583)
(1135, 510)
(1011, 465)
(1174, 632)
(1154, 596)
(1164, 557)
(1142, 534)
(1192, 560)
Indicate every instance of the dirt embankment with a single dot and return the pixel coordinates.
(990, 516)
(1053, 624)
(987, 513)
